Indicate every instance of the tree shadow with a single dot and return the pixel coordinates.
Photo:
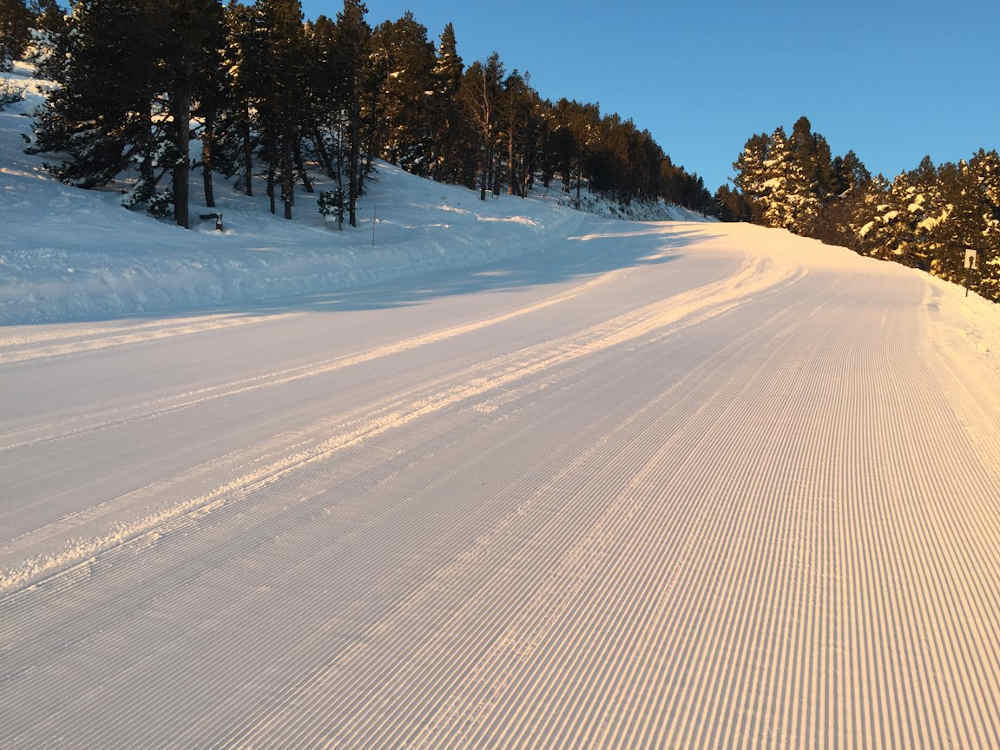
(576, 257)
(620, 245)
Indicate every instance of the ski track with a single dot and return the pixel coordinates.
(751, 514)
(77, 424)
(45, 344)
(399, 412)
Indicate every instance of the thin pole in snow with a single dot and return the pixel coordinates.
(373, 225)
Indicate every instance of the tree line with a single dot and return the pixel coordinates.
(265, 92)
(925, 218)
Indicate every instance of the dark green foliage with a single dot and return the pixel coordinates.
(255, 86)
(480, 94)
(129, 73)
(15, 31)
(188, 35)
(731, 205)
(451, 154)
(331, 203)
(353, 35)
(277, 92)
(402, 60)
(101, 117)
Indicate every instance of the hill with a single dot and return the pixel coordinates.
(68, 253)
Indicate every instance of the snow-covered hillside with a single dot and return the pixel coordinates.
(72, 254)
(555, 480)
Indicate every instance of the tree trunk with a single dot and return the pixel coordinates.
(181, 106)
(301, 166)
(510, 162)
(270, 179)
(324, 155)
(352, 167)
(247, 148)
(287, 180)
(340, 153)
(146, 166)
(484, 175)
(207, 152)
(490, 182)
(372, 142)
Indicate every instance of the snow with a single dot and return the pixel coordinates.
(71, 254)
(553, 479)
(932, 221)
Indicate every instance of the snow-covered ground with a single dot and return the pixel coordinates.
(667, 485)
(69, 254)
(605, 484)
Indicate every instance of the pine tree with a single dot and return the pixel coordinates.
(968, 190)
(325, 118)
(50, 47)
(812, 153)
(188, 33)
(849, 174)
(213, 101)
(519, 131)
(985, 171)
(278, 93)
(353, 34)
(751, 173)
(100, 118)
(902, 218)
(129, 73)
(237, 123)
(731, 205)
(480, 94)
(15, 31)
(405, 64)
(777, 186)
(836, 223)
(451, 136)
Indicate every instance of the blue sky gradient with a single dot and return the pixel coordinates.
(892, 80)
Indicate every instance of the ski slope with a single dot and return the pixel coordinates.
(657, 484)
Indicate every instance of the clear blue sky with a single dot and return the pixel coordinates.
(892, 80)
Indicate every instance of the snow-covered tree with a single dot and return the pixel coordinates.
(790, 193)
(751, 173)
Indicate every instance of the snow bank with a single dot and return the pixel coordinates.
(596, 204)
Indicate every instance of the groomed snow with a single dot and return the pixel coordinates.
(667, 484)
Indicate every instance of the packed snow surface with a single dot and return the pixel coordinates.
(606, 484)
(666, 484)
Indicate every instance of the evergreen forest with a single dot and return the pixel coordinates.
(153, 89)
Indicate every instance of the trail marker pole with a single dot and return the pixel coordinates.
(373, 225)
(971, 264)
